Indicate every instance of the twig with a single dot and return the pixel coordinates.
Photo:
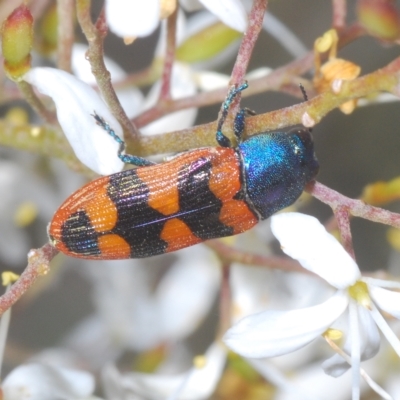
(339, 11)
(385, 79)
(229, 254)
(36, 103)
(343, 223)
(95, 37)
(225, 301)
(248, 42)
(38, 264)
(277, 80)
(355, 207)
(65, 13)
(165, 93)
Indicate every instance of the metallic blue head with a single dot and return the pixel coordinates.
(276, 168)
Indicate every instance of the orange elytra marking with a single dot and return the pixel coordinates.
(114, 246)
(101, 210)
(236, 213)
(163, 182)
(178, 235)
(225, 177)
(77, 202)
(163, 185)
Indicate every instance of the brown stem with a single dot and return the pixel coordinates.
(385, 79)
(248, 42)
(281, 79)
(65, 12)
(165, 93)
(339, 11)
(229, 254)
(38, 264)
(225, 301)
(35, 103)
(355, 207)
(343, 222)
(277, 80)
(95, 36)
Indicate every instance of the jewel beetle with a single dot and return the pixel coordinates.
(197, 195)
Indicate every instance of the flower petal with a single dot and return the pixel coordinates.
(43, 382)
(186, 292)
(126, 306)
(303, 238)
(310, 383)
(386, 300)
(230, 12)
(196, 384)
(75, 102)
(132, 18)
(369, 342)
(273, 333)
(190, 5)
(131, 98)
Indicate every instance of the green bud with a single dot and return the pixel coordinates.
(207, 43)
(380, 18)
(17, 37)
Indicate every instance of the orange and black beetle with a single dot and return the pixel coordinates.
(195, 196)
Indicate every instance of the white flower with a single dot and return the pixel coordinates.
(131, 98)
(130, 19)
(44, 382)
(136, 312)
(274, 333)
(197, 383)
(76, 101)
(230, 12)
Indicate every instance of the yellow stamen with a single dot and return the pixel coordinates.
(359, 292)
(333, 334)
(200, 361)
(8, 278)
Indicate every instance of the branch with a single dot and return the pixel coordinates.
(65, 11)
(165, 93)
(354, 207)
(385, 79)
(38, 265)
(249, 41)
(229, 254)
(95, 37)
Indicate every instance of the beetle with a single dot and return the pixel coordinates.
(197, 195)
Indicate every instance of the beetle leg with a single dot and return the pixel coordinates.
(126, 158)
(240, 120)
(222, 140)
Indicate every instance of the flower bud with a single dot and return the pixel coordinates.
(379, 193)
(17, 36)
(380, 18)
